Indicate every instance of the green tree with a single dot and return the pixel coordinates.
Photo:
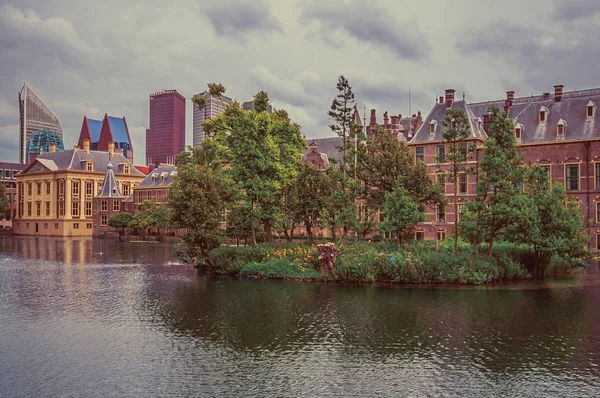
(552, 223)
(400, 213)
(459, 150)
(339, 212)
(198, 197)
(342, 114)
(496, 207)
(308, 197)
(241, 220)
(385, 163)
(121, 220)
(264, 152)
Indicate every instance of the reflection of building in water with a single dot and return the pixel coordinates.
(46, 248)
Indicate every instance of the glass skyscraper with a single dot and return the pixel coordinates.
(34, 116)
(214, 107)
(165, 137)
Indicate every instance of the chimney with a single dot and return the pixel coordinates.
(395, 120)
(86, 145)
(419, 121)
(386, 119)
(75, 147)
(510, 96)
(52, 148)
(441, 99)
(373, 120)
(558, 92)
(111, 148)
(449, 97)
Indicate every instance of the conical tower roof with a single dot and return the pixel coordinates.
(110, 187)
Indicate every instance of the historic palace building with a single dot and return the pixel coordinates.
(56, 191)
(559, 130)
(34, 116)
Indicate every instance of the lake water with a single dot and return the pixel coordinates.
(99, 318)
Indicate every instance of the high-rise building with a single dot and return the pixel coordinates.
(247, 106)
(34, 116)
(165, 137)
(213, 108)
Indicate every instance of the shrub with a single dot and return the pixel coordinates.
(281, 268)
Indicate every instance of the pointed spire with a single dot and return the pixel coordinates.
(110, 187)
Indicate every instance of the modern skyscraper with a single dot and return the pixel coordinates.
(214, 107)
(247, 106)
(34, 116)
(165, 137)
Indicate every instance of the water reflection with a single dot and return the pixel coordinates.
(114, 318)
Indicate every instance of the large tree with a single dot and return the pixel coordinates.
(342, 115)
(198, 197)
(499, 189)
(459, 149)
(400, 213)
(264, 152)
(120, 220)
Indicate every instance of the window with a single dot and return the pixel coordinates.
(148, 195)
(597, 169)
(38, 188)
(432, 127)
(542, 116)
(29, 189)
(440, 235)
(75, 189)
(75, 209)
(126, 169)
(104, 220)
(29, 209)
(441, 179)
(48, 208)
(590, 109)
(139, 197)
(461, 210)
(419, 235)
(88, 209)
(89, 189)
(126, 190)
(518, 133)
(597, 211)
(88, 225)
(116, 205)
(463, 150)
(76, 225)
(61, 188)
(61, 208)
(38, 209)
(441, 212)
(560, 128)
(7, 198)
(441, 153)
(104, 205)
(420, 153)
(89, 166)
(572, 177)
(48, 187)
(462, 183)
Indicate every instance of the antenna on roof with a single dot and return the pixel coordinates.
(409, 111)
(463, 95)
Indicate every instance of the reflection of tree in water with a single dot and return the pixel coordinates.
(498, 331)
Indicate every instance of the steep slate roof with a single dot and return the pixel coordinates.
(571, 109)
(159, 177)
(437, 114)
(75, 159)
(109, 187)
(327, 146)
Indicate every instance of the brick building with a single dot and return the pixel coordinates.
(165, 137)
(107, 203)
(8, 177)
(559, 130)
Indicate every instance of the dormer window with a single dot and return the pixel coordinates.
(518, 131)
(89, 165)
(560, 128)
(479, 125)
(543, 114)
(590, 109)
(432, 127)
(126, 169)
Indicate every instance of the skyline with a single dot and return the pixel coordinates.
(294, 51)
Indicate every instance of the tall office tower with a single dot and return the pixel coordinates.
(247, 106)
(214, 107)
(33, 116)
(165, 137)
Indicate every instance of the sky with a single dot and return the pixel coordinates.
(90, 58)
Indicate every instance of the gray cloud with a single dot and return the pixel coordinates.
(235, 18)
(368, 23)
(571, 10)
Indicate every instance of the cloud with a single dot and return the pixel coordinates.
(8, 145)
(368, 23)
(571, 10)
(292, 91)
(237, 18)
